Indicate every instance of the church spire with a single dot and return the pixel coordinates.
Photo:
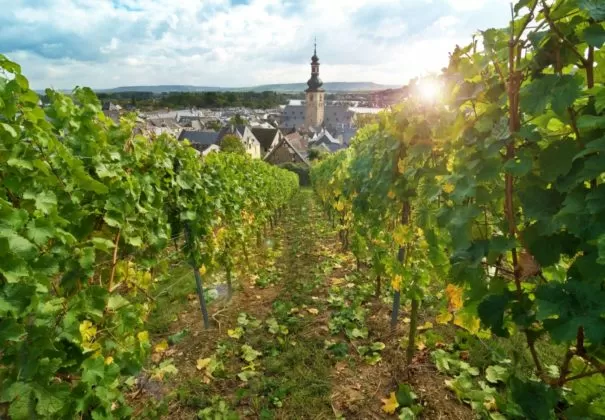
(314, 82)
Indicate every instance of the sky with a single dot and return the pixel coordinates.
(234, 43)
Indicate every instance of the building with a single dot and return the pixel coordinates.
(245, 135)
(314, 114)
(315, 106)
(267, 137)
(286, 152)
(324, 140)
(202, 141)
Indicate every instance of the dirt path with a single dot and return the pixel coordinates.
(291, 344)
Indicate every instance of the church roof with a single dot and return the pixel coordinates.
(315, 82)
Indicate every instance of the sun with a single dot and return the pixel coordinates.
(429, 89)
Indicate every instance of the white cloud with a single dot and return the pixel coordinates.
(63, 43)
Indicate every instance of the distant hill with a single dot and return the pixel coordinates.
(284, 88)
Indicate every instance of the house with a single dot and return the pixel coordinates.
(285, 152)
(202, 141)
(326, 141)
(267, 137)
(244, 133)
(299, 142)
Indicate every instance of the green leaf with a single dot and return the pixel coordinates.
(249, 354)
(521, 4)
(593, 146)
(116, 302)
(93, 370)
(535, 399)
(559, 91)
(10, 130)
(599, 94)
(10, 330)
(377, 346)
(405, 395)
(52, 399)
(520, 165)
(556, 159)
(39, 231)
(102, 244)
(491, 311)
(135, 241)
(179, 336)
(20, 163)
(595, 35)
(21, 246)
(44, 201)
(87, 258)
(19, 395)
(595, 8)
(496, 373)
(245, 375)
(591, 122)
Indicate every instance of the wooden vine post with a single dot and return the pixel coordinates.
(198, 277)
(401, 257)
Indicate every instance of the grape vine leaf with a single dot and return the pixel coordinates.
(595, 8)
(491, 311)
(559, 91)
(556, 159)
(535, 399)
(595, 35)
(389, 405)
(496, 373)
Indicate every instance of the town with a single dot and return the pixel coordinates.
(290, 133)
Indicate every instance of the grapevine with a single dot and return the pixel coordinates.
(504, 176)
(89, 213)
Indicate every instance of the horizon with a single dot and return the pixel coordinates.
(236, 43)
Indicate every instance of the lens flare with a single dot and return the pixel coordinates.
(429, 90)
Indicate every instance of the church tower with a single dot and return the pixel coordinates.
(314, 111)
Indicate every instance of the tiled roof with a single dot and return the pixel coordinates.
(205, 138)
(265, 136)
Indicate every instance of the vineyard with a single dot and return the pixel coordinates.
(448, 264)
(493, 198)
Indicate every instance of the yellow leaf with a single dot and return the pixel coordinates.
(443, 318)
(470, 323)
(391, 194)
(426, 326)
(448, 188)
(396, 282)
(406, 320)
(236, 333)
(401, 235)
(203, 269)
(202, 363)
(88, 331)
(340, 206)
(108, 360)
(389, 405)
(143, 337)
(490, 404)
(313, 311)
(401, 166)
(161, 347)
(454, 297)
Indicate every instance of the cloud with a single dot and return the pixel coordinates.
(63, 43)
